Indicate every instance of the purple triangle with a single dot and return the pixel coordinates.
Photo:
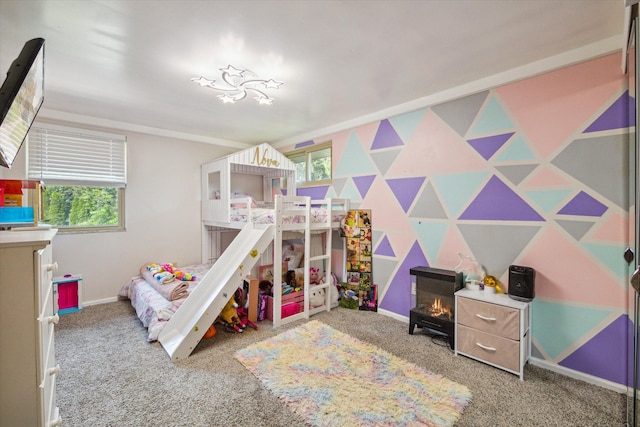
(386, 136)
(488, 145)
(497, 201)
(605, 355)
(615, 117)
(364, 183)
(583, 204)
(384, 248)
(397, 299)
(304, 144)
(316, 193)
(405, 190)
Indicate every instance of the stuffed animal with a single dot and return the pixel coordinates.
(314, 276)
(185, 277)
(229, 316)
(316, 297)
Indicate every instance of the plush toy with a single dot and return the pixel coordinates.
(185, 277)
(229, 316)
(316, 297)
(314, 276)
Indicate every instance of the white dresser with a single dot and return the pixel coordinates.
(494, 329)
(28, 369)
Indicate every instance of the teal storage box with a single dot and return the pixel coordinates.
(10, 215)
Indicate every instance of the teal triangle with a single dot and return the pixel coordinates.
(493, 119)
(457, 190)
(355, 160)
(350, 191)
(555, 327)
(548, 200)
(431, 235)
(516, 150)
(406, 124)
(331, 194)
(611, 256)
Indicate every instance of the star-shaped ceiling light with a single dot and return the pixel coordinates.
(237, 83)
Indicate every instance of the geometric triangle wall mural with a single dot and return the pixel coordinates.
(363, 183)
(397, 297)
(583, 204)
(600, 355)
(615, 117)
(488, 145)
(497, 201)
(405, 190)
(386, 137)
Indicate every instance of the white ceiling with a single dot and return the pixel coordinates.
(128, 64)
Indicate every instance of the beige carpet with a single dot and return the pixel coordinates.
(110, 376)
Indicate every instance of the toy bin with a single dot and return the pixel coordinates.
(68, 292)
(292, 303)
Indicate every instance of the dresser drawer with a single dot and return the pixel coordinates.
(491, 318)
(489, 348)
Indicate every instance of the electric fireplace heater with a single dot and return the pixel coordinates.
(435, 302)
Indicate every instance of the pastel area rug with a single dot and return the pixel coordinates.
(329, 378)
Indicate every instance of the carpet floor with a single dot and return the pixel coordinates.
(111, 376)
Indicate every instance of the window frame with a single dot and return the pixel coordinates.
(37, 170)
(307, 151)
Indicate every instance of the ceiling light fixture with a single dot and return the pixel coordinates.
(238, 83)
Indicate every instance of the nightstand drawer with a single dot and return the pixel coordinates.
(489, 348)
(492, 318)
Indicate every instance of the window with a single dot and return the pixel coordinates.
(313, 164)
(84, 173)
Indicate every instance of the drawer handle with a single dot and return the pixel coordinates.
(53, 319)
(52, 267)
(485, 347)
(54, 371)
(489, 319)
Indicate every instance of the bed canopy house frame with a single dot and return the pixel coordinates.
(252, 242)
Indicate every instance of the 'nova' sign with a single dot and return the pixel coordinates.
(263, 160)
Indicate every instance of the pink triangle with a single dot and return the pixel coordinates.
(452, 244)
(367, 133)
(386, 211)
(443, 149)
(564, 273)
(565, 100)
(613, 230)
(546, 178)
(339, 142)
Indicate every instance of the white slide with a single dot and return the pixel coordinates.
(205, 303)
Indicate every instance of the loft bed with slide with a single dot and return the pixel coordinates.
(250, 217)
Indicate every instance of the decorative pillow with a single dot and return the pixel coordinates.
(237, 195)
(292, 259)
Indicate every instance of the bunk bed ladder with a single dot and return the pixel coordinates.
(326, 229)
(205, 303)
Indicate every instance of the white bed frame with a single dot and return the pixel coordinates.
(253, 243)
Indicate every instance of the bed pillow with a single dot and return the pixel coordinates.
(292, 259)
(237, 195)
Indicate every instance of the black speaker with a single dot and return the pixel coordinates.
(522, 283)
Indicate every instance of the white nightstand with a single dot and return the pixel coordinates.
(494, 329)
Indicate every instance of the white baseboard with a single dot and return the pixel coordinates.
(620, 388)
(99, 301)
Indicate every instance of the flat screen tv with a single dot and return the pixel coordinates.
(21, 97)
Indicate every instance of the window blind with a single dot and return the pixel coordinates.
(59, 155)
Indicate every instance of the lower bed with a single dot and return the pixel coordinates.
(152, 308)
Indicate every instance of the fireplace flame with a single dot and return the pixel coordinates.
(438, 310)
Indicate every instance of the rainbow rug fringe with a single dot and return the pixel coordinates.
(329, 378)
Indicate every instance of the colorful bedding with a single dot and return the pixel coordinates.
(154, 310)
(268, 216)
